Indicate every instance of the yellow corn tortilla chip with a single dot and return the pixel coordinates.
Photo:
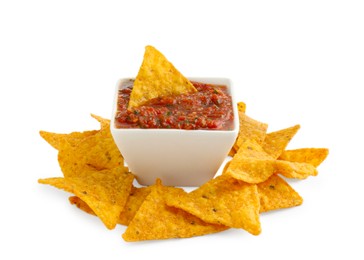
(276, 193)
(54, 139)
(104, 123)
(313, 156)
(155, 220)
(157, 77)
(94, 152)
(249, 129)
(253, 165)
(275, 142)
(223, 200)
(135, 199)
(249, 156)
(241, 110)
(105, 192)
(80, 152)
(295, 170)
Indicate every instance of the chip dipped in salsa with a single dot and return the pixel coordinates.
(210, 108)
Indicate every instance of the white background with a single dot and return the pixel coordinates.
(292, 62)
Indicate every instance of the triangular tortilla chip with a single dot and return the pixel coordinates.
(276, 193)
(80, 152)
(253, 165)
(249, 129)
(155, 220)
(157, 77)
(249, 156)
(55, 139)
(314, 156)
(275, 142)
(94, 152)
(223, 200)
(135, 200)
(105, 192)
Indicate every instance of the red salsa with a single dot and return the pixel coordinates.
(209, 108)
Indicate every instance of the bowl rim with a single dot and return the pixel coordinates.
(212, 80)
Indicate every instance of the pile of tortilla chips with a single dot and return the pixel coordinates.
(252, 182)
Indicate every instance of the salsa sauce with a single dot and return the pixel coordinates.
(209, 108)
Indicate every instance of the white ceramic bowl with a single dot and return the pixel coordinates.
(177, 157)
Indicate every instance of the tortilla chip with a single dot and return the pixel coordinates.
(55, 139)
(295, 170)
(94, 152)
(250, 129)
(104, 123)
(276, 193)
(155, 220)
(157, 77)
(86, 151)
(313, 156)
(275, 142)
(252, 164)
(105, 192)
(224, 201)
(135, 200)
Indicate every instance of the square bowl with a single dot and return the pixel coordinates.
(177, 157)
